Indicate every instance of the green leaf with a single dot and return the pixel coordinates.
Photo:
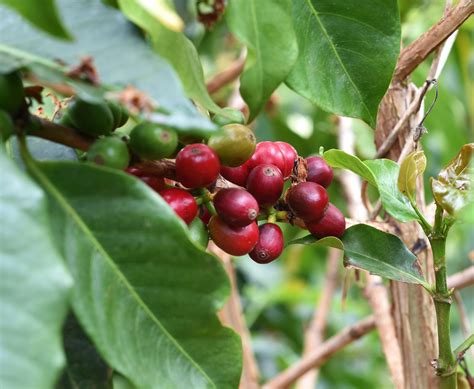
(177, 49)
(163, 13)
(145, 294)
(383, 175)
(452, 189)
(343, 160)
(329, 241)
(381, 253)
(347, 53)
(266, 28)
(120, 54)
(412, 166)
(386, 174)
(34, 287)
(42, 14)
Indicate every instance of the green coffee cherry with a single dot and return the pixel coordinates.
(232, 116)
(151, 141)
(198, 232)
(12, 94)
(91, 118)
(6, 125)
(234, 144)
(116, 110)
(110, 151)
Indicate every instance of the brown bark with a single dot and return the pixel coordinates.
(413, 310)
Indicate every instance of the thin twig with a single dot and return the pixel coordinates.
(314, 335)
(227, 76)
(54, 132)
(416, 52)
(461, 280)
(320, 355)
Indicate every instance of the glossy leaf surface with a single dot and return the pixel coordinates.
(145, 294)
(34, 288)
(347, 53)
(266, 28)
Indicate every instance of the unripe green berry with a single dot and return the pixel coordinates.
(110, 151)
(150, 141)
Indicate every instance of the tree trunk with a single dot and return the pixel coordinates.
(413, 310)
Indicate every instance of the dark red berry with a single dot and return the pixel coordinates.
(319, 171)
(237, 175)
(155, 183)
(267, 153)
(233, 240)
(197, 166)
(332, 223)
(270, 244)
(182, 202)
(265, 183)
(204, 214)
(236, 207)
(308, 201)
(290, 155)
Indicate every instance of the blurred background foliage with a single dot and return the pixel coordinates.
(279, 298)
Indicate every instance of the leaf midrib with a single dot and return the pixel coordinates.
(82, 225)
(316, 15)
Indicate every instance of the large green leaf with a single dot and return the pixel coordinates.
(347, 54)
(386, 173)
(42, 14)
(266, 28)
(145, 294)
(176, 48)
(382, 174)
(453, 188)
(120, 54)
(381, 253)
(34, 286)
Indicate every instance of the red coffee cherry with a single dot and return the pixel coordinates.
(265, 183)
(319, 171)
(270, 244)
(290, 155)
(308, 201)
(332, 223)
(233, 240)
(182, 202)
(269, 153)
(236, 207)
(204, 214)
(197, 166)
(237, 175)
(154, 182)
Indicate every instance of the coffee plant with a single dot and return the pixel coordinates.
(127, 183)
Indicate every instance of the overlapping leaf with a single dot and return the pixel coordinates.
(145, 294)
(177, 49)
(347, 54)
(121, 56)
(42, 14)
(34, 287)
(266, 28)
(381, 173)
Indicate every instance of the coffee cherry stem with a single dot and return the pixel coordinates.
(272, 218)
(282, 216)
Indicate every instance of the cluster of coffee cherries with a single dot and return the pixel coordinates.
(231, 184)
